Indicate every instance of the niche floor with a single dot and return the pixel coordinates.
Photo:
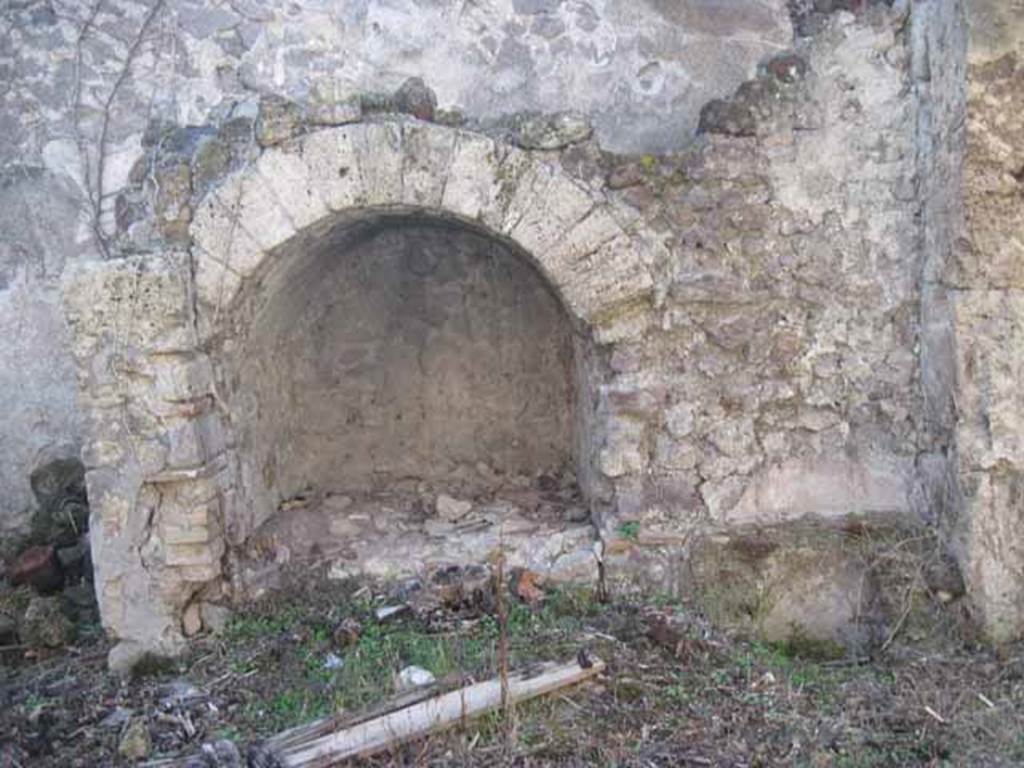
(414, 527)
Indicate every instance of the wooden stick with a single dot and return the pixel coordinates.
(429, 716)
(303, 734)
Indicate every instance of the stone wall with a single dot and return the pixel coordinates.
(81, 83)
(787, 379)
(145, 392)
(754, 301)
(985, 287)
(785, 316)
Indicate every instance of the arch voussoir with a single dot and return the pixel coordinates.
(332, 158)
(216, 284)
(554, 212)
(286, 175)
(427, 152)
(573, 234)
(474, 184)
(218, 231)
(381, 155)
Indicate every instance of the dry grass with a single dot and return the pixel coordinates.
(679, 695)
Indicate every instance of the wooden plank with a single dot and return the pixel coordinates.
(303, 734)
(432, 715)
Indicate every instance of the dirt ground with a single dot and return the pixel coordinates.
(675, 692)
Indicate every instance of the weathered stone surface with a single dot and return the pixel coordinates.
(555, 131)
(191, 620)
(776, 284)
(984, 308)
(40, 212)
(824, 588)
(820, 601)
(215, 617)
(279, 119)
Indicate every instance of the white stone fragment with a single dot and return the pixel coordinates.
(452, 509)
(413, 677)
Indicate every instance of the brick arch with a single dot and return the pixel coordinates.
(589, 250)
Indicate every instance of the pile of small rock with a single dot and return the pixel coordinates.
(46, 587)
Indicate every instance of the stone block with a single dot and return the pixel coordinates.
(610, 275)
(286, 175)
(992, 563)
(624, 449)
(218, 229)
(132, 302)
(180, 377)
(191, 554)
(473, 180)
(822, 486)
(249, 204)
(333, 159)
(514, 168)
(562, 206)
(216, 284)
(197, 524)
(198, 574)
(529, 191)
(426, 158)
(381, 159)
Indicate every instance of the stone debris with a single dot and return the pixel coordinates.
(414, 98)
(191, 620)
(525, 585)
(451, 509)
(180, 693)
(45, 625)
(413, 677)
(390, 612)
(135, 742)
(333, 661)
